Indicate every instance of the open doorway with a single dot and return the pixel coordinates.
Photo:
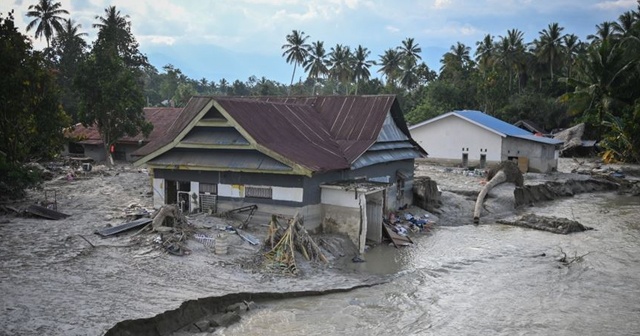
(171, 192)
(465, 159)
(374, 215)
(483, 160)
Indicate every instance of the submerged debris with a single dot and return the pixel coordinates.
(548, 223)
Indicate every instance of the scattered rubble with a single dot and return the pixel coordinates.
(547, 223)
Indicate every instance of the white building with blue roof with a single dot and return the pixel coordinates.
(473, 138)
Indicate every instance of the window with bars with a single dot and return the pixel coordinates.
(208, 188)
(258, 192)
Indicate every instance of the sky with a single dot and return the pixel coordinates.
(236, 39)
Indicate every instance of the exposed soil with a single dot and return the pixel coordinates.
(59, 278)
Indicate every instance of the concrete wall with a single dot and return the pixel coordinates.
(449, 138)
(96, 152)
(542, 157)
(342, 213)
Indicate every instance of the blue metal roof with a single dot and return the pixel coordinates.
(500, 126)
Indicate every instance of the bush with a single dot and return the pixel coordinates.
(15, 179)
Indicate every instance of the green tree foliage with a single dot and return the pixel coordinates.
(109, 83)
(31, 118)
(69, 50)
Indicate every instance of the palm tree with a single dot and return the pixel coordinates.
(604, 31)
(47, 18)
(572, 47)
(549, 47)
(485, 52)
(316, 63)
(457, 60)
(361, 65)
(340, 60)
(511, 51)
(70, 34)
(296, 50)
(409, 50)
(390, 65)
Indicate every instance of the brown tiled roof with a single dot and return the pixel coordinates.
(161, 118)
(321, 133)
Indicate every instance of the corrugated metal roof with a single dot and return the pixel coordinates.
(390, 145)
(493, 124)
(222, 159)
(320, 133)
(161, 117)
(374, 157)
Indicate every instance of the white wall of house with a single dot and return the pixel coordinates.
(542, 157)
(287, 194)
(450, 137)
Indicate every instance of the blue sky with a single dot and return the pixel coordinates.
(234, 39)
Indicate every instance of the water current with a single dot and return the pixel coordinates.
(490, 279)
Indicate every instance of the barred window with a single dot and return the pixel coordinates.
(208, 188)
(258, 192)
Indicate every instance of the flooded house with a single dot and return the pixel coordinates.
(476, 139)
(86, 141)
(339, 162)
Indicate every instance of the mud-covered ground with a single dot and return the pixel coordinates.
(59, 278)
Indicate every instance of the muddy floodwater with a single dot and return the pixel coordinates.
(490, 279)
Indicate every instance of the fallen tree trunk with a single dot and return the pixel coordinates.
(506, 171)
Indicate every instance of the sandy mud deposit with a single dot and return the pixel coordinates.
(59, 278)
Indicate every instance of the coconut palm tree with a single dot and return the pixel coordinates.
(296, 50)
(361, 65)
(511, 52)
(47, 18)
(340, 60)
(603, 31)
(316, 63)
(485, 53)
(572, 47)
(390, 65)
(410, 50)
(549, 47)
(70, 35)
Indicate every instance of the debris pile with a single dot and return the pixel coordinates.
(283, 242)
(174, 229)
(547, 223)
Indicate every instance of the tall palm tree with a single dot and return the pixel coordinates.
(316, 63)
(625, 23)
(549, 47)
(604, 31)
(46, 16)
(70, 34)
(361, 65)
(485, 53)
(410, 51)
(296, 50)
(511, 52)
(340, 60)
(390, 65)
(458, 57)
(572, 47)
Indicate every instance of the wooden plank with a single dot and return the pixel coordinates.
(523, 164)
(396, 239)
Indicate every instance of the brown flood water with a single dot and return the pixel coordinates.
(487, 280)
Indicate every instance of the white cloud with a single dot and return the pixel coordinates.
(392, 29)
(439, 4)
(616, 4)
(157, 39)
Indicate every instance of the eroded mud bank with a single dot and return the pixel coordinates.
(212, 310)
